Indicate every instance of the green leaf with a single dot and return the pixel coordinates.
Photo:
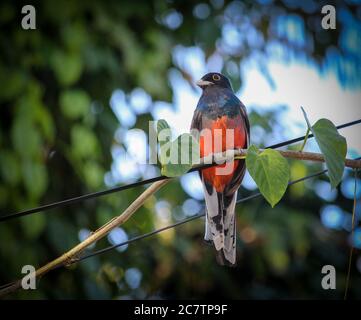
(84, 142)
(74, 103)
(93, 174)
(178, 156)
(270, 171)
(25, 137)
(334, 148)
(75, 36)
(163, 131)
(67, 67)
(12, 83)
(103, 215)
(35, 178)
(162, 124)
(45, 121)
(10, 167)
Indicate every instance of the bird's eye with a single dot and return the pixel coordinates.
(216, 77)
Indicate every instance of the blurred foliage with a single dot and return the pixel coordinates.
(57, 131)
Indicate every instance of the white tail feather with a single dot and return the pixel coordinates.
(221, 232)
(229, 249)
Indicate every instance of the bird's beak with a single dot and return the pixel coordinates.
(202, 83)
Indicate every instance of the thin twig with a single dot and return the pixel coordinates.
(306, 137)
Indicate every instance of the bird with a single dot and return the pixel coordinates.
(219, 112)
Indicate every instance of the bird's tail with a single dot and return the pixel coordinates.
(221, 226)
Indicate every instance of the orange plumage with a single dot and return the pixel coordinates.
(218, 129)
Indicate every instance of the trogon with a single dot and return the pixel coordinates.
(220, 123)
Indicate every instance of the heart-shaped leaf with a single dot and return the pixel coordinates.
(163, 132)
(334, 148)
(178, 156)
(270, 171)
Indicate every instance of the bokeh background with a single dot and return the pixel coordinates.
(76, 97)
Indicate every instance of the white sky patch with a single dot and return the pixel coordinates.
(185, 99)
(124, 168)
(163, 211)
(133, 277)
(121, 109)
(301, 85)
(191, 60)
(136, 142)
(191, 207)
(116, 236)
(140, 100)
(192, 185)
(84, 234)
(215, 63)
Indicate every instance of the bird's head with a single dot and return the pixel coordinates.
(214, 79)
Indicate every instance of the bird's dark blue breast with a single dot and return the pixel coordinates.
(219, 102)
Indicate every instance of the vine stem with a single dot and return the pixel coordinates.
(305, 140)
(100, 233)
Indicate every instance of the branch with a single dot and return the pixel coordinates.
(300, 155)
(72, 254)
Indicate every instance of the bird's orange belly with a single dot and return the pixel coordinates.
(221, 134)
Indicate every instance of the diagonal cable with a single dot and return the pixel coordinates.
(146, 235)
(88, 196)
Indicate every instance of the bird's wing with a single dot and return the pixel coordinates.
(197, 120)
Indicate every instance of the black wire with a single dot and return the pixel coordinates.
(146, 235)
(101, 251)
(255, 195)
(7, 285)
(79, 198)
(282, 144)
(137, 184)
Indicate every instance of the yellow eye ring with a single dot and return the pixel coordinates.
(216, 77)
